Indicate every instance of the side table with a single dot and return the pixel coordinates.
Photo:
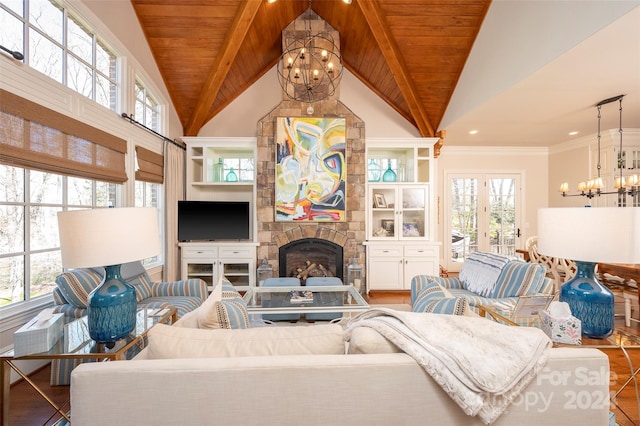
(75, 343)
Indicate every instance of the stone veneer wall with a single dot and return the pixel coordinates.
(349, 234)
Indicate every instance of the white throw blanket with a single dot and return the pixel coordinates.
(481, 271)
(481, 364)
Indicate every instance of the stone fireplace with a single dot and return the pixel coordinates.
(348, 235)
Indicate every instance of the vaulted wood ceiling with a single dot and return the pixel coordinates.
(409, 52)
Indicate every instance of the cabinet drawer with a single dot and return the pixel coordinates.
(385, 251)
(421, 251)
(194, 253)
(236, 252)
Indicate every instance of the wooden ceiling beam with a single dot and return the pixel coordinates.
(220, 68)
(381, 32)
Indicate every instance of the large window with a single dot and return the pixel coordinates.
(61, 46)
(147, 110)
(29, 243)
(150, 195)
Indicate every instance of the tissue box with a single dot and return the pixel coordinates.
(39, 336)
(562, 330)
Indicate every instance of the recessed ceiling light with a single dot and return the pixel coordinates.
(271, 1)
(473, 132)
(347, 1)
(573, 133)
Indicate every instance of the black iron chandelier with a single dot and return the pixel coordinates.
(594, 187)
(310, 67)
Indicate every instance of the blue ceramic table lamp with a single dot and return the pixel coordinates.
(108, 237)
(590, 236)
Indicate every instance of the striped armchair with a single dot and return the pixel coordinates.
(516, 278)
(73, 287)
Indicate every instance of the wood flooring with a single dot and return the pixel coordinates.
(29, 409)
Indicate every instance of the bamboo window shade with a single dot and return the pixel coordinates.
(35, 137)
(150, 166)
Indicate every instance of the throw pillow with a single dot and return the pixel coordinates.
(432, 291)
(76, 285)
(167, 342)
(220, 312)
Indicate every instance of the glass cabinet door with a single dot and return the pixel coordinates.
(398, 212)
(413, 212)
(384, 216)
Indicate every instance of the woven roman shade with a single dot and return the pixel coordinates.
(150, 166)
(35, 137)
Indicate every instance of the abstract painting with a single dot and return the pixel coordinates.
(311, 169)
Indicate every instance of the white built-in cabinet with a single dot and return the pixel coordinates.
(235, 260)
(400, 212)
(210, 260)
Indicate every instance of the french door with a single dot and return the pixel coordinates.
(482, 212)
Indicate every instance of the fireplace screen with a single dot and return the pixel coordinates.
(311, 257)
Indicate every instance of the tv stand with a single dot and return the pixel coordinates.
(211, 260)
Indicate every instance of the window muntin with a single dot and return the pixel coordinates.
(146, 109)
(28, 266)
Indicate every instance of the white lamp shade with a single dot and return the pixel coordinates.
(590, 234)
(102, 237)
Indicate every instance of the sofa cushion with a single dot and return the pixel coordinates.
(519, 279)
(223, 309)
(76, 285)
(446, 305)
(365, 340)
(180, 342)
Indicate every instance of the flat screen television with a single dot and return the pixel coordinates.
(213, 220)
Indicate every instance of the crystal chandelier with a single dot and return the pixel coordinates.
(310, 67)
(594, 187)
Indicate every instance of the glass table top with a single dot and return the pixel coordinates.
(75, 340)
(321, 299)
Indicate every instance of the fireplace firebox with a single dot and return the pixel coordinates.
(311, 257)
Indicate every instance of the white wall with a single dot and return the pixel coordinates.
(242, 115)
(531, 162)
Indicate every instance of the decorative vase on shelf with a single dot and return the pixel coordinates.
(373, 171)
(389, 175)
(218, 171)
(231, 176)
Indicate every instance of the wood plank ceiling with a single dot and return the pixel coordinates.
(409, 52)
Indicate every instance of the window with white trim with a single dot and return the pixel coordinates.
(147, 110)
(29, 241)
(61, 46)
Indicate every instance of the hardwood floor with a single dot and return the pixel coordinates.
(29, 409)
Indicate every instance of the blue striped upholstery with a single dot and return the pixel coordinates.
(76, 285)
(421, 281)
(430, 292)
(518, 279)
(73, 288)
(445, 305)
(232, 313)
(183, 304)
(191, 287)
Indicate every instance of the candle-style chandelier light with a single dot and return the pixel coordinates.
(594, 187)
(310, 67)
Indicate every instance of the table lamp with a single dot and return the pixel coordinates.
(588, 236)
(108, 237)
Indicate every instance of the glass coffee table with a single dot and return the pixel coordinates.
(304, 300)
(75, 343)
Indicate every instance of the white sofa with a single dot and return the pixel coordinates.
(303, 375)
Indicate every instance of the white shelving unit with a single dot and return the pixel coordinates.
(401, 214)
(236, 260)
